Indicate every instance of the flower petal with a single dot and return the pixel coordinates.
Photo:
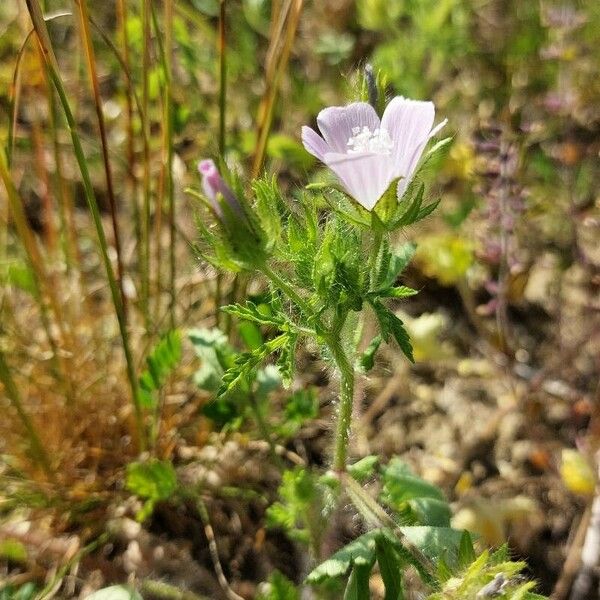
(408, 123)
(314, 143)
(365, 176)
(336, 123)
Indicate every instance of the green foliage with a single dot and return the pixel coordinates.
(278, 587)
(413, 498)
(160, 363)
(245, 364)
(392, 326)
(215, 354)
(13, 551)
(301, 407)
(364, 469)
(153, 481)
(297, 511)
(27, 591)
(489, 575)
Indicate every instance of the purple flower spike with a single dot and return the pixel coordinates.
(367, 154)
(213, 184)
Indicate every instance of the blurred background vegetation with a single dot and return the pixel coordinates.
(501, 409)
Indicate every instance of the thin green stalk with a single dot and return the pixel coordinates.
(268, 103)
(93, 74)
(145, 266)
(165, 55)
(14, 397)
(265, 431)
(122, 16)
(222, 75)
(222, 51)
(44, 40)
(346, 403)
(65, 207)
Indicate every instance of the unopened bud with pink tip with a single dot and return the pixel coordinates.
(240, 230)
(213, 185)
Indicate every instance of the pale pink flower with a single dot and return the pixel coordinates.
(367, 153)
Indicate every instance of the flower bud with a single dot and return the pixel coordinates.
(213, 185)
(242, 236)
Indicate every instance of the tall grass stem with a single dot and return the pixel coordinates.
(93, 76)
(46, 46)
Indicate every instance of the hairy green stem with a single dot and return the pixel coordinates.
(331, 338)
(346, 403)
(288, 290)
(222, 50)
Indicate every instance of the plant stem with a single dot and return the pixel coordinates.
(331, 337)
(145, 232)
(46, 46)
(93, 74)
(288, 290)
(264, 429)
(277, 59)
(222, 51)
(346, 403)
(222, 76)
(14, 396)
(168, 53)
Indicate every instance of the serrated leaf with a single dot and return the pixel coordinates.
(359, 552)
(269, 206)
(411, 214)
(434, 542)
(397, 263)
(392, 326)
(287, 359)
(153, 480)
(246, 363)
(256, 313)
(401, 291)
(427, 210)
(162, 360)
